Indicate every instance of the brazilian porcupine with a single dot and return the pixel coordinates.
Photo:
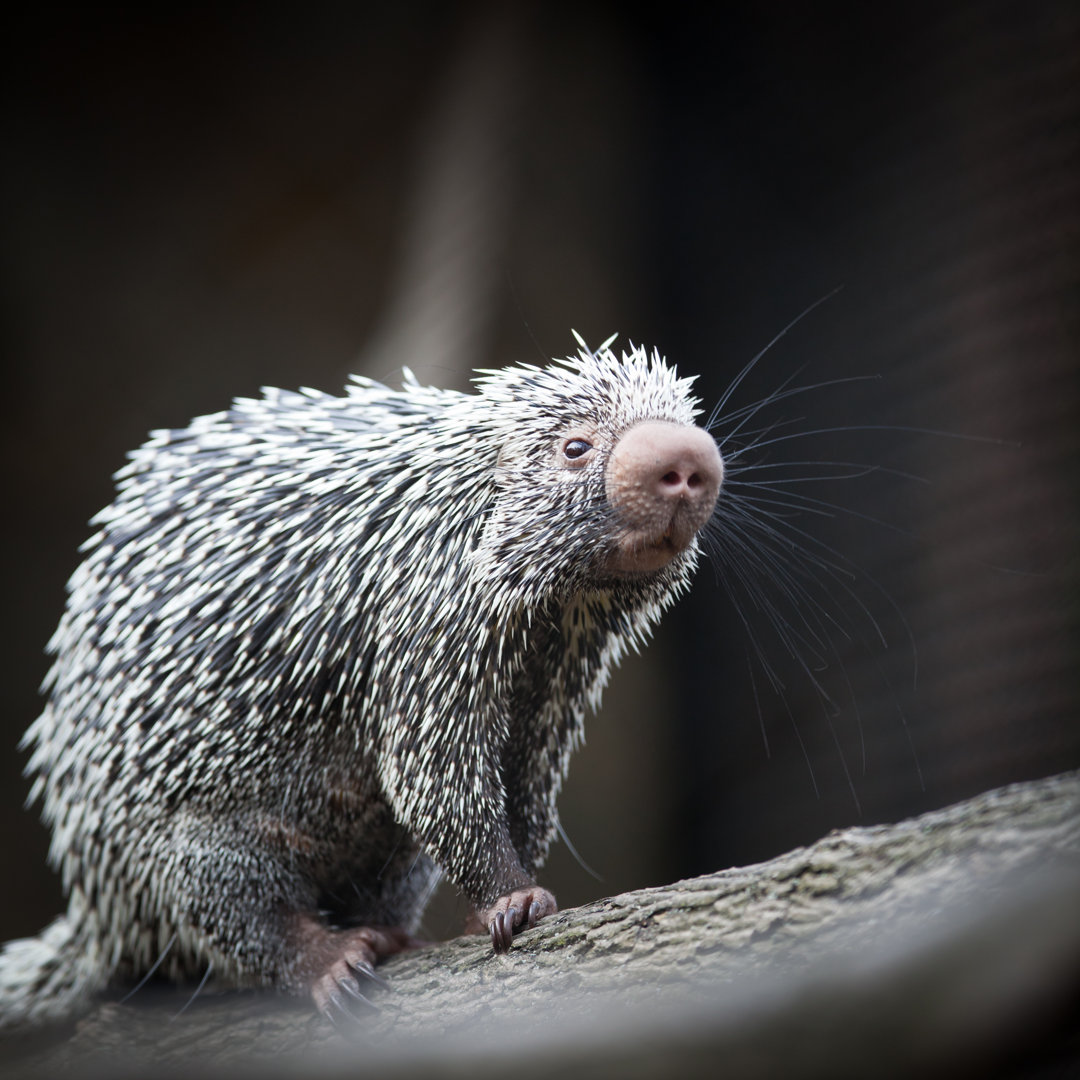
(322, 648)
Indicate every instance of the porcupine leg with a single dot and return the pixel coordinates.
(254, 902)
(490, 866)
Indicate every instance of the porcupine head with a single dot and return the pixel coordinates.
(323, 648)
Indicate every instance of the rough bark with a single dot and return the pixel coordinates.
(946, 940)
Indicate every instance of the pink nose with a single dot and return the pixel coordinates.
(662, 480)
(670, 462)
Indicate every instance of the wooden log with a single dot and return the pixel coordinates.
(941, 942)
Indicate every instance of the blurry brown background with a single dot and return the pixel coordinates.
(198, 205)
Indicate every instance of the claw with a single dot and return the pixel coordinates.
(336, 1011)
(502, 933)
(351, 988)
(534, 913)
(367, 970)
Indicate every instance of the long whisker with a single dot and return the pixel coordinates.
(906, 429)
(747, 368)
(147, 977)
(198, 991)
(782, 392)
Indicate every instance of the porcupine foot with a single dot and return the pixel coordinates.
(519, 910)
(337, 965)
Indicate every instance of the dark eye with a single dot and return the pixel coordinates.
(576, 448)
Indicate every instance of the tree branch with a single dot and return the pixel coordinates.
(945, 939)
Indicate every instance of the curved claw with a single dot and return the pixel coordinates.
(534, 913)
(336, 1011)
(502, 929)
(352, 988)
(502, 932)
(367, 971)
(343, 1003)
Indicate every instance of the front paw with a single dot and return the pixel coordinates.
(521, 909)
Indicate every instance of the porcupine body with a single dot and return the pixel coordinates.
(322, 648)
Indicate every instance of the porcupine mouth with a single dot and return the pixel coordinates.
(641, 552)
(665, 545)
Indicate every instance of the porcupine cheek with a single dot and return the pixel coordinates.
(662, 481)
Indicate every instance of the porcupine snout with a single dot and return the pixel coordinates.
(662, 481)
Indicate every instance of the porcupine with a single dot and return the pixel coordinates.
(322, 648)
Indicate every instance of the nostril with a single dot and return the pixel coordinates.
(682, 480)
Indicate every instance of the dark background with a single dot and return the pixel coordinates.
(197, 205)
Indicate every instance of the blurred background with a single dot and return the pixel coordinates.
(196, 205)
